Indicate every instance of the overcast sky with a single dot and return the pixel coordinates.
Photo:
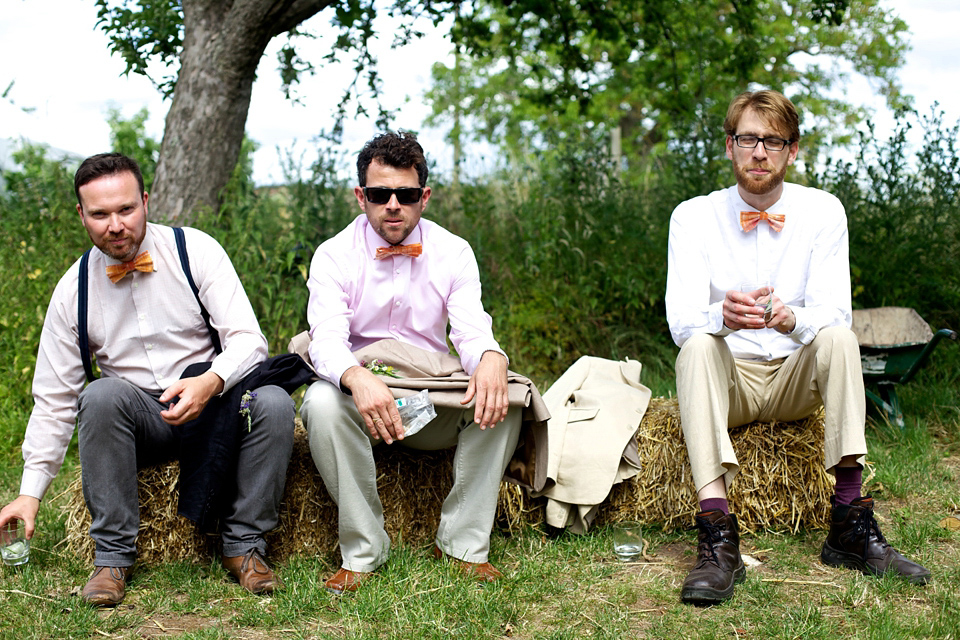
(62, 69)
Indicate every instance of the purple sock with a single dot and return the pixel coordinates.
(847, 487)
(715, 503)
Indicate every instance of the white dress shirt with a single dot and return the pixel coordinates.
(145, 329)
(356, 300)
(807, 264)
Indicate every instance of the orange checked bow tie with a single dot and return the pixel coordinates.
(750, 219)
(142, 262)
(412, 250)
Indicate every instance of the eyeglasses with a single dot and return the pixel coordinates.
(770, 144)
(381, 195)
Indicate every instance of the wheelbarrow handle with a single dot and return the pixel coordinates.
(925, 354)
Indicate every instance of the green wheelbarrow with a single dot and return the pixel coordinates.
(895, 342)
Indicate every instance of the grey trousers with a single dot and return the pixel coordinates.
(717, 391)
(120, 430)
(342, 449)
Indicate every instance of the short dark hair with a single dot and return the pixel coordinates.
(105, 164)
(400, 150)
(774, 107)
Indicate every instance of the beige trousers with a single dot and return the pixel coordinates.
(717, 391)
(342, 449)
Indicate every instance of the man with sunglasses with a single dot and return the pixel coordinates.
(776, 350)
(393, 275)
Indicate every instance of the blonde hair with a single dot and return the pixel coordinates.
(772, 106)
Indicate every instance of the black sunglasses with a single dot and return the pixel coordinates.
(381, 195)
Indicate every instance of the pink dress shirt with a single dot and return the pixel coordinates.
(356, 300)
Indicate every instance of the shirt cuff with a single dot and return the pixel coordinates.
(34, 483)
(802, 332)
(715, 314)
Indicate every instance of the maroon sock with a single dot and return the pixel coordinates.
(715, 503)
(847, 487)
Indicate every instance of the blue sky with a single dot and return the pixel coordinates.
(68, 78)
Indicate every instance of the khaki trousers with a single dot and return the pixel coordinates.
(342, 449)
(717, 391)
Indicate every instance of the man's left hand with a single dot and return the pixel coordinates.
(782, 318)
(194, 394)
(489, 385)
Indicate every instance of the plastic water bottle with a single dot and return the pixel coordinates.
(415, 412)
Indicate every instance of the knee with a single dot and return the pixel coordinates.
(320, 400)
(104, 402)
(837, 335)
(103, 393)
(837, 340)
(699, 348)
(273, 408)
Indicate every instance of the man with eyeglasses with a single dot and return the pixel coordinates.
(393, 275)
(776, 349)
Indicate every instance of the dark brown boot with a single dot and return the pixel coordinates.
(719, 565)
(855, 542)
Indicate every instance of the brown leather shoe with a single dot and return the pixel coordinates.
(252, 572)
(106, 586)
(479, 571)
(345, 580)
(855, 542)
(719, 565)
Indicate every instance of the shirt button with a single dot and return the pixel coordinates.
(149, 347)
(142, 316)
(398, 303)
(136, 285)
(398, 271)
(394, 327)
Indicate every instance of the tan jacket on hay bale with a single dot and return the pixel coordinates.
(781, 484)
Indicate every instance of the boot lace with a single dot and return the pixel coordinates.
(865, 526)
(710, 536)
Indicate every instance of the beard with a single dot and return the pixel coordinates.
(757, 185)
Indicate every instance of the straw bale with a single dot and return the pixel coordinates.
(781, 483)
(412, 487)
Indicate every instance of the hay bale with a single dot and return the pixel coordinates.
(781, 483)
(412, 487)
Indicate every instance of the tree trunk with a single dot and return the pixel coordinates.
(222, 46)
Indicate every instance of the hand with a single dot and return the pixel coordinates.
(747, 311)
(194, 394)
(489, 385)
(375, 402)
(782, 318)
(22, 508)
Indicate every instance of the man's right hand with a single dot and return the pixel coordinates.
(740, 310)
(375, 403)
(23, 508)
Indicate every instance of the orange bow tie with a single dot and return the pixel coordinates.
(412, 250)
(142, 262)
(750, 219)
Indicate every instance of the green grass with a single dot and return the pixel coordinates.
(555, 587)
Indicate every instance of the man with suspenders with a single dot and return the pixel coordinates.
(147, 305)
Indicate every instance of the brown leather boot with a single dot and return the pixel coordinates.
(106, 586)
(719, 565)
(855, 542)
